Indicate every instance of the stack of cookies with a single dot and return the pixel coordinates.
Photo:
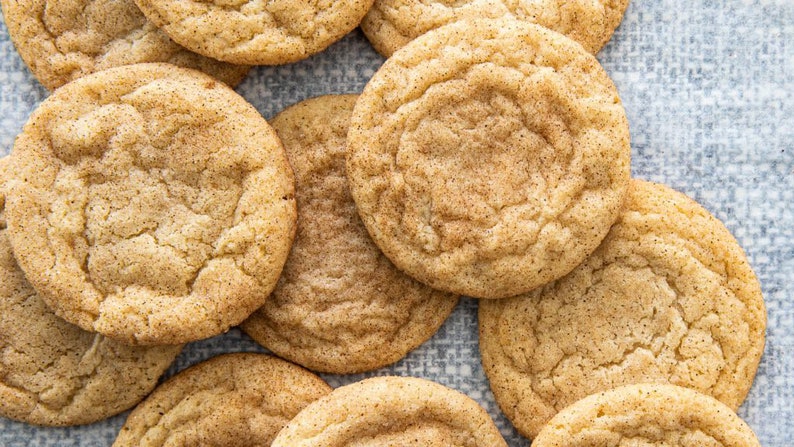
(147, 205)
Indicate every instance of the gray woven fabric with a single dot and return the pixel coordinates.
(709, 90)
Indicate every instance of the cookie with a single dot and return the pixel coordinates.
(152, 204)
(489, 157)
(255, 33)
(231, 399)
(391, 411)
(54, 373)
(391, 24)
(669, 297)
(340, 306)
(62, 40)
(647, 415)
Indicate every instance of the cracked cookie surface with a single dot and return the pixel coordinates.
(392, 411)
(241, 399)
(668, 297)
(391, 24)
(340, 306)
(61, 40)
(647, 415)
(489, 157)
(151, 204)
(54, 373)
(256, 32)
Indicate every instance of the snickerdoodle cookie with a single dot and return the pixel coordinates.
(391, 411)
(340, 306)
(54, 373)
(258, 32)
(668, 297)
(489, 157)
(647, 415)
(390, 24)
(151, 204)
(61, 40)
(231, 399)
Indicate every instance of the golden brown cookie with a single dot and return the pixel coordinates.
(255, 33)
(152, 204)
(229, 400)
(668, 297)
(647, 415)
(391, 411)
(489, 157)
(390, 24)
(61, 40)
(340, 306)
(54, 373)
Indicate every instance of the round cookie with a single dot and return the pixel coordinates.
(62, 40)
(256, 33)
(489, 157)
(232, 399)
(668, 297)
(392, 411)
(152, 204)
(54, 373)
(391, 24)
(647, 415)
(340, 306)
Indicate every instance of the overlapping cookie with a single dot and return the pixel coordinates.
(61, 40)
(489, 157)
(151, 204)
(232, 399)
(668, 297)
(54, 373)
(647, 415)
(391, 411)
(391, 24)
(340, 306)
(256, 33)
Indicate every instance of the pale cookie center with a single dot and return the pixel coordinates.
(428, 433)
(488, 164)
(133, 216)
(89, 34)
(86, 26)
(294, 18)
(209, 418)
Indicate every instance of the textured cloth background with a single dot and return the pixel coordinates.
(709, 91)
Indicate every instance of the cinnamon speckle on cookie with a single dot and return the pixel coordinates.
(149, 208)
(489, 157)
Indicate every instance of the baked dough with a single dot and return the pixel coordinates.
(151, 204)
(489, 157)
(668, 297)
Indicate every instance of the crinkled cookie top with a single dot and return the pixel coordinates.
(151, 204)
(668, 297)
(489, 157)
(62, 40)
(241, 399)
(392, 411)
(340, 306)
(54, 373)
(390, 24)
(256, 32)
(648, 415)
